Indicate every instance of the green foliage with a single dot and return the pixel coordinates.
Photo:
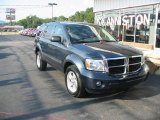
(89, 15)
(83, 16)
(80, 16)
(48, 20)
(23, 22)
(62, 18)
(30, 22)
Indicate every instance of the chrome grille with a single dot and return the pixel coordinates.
(117, 70)
(124, 65)
(116, 62)
(134, 63)
(133, 68)
(133, 60)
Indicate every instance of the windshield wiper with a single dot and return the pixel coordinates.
(108, 40)
(86, 41)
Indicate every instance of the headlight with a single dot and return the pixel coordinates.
(96, 65)
(143, 59)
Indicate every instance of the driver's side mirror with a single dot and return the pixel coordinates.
(55, 39)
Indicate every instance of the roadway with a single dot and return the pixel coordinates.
(27, 93)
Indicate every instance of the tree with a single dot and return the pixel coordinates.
(83, 16)
(62, 18)
(89, 15)
(23, 22)
(79, 16)
(30, 22)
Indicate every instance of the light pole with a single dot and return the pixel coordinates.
(51, 4)
(30, 19)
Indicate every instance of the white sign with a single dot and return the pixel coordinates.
(124, 20)
(10, 10)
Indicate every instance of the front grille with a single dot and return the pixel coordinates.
(117, 70)
(134, 60)
(133, 68)
(134, 63)
(124, 65)
(116, 62)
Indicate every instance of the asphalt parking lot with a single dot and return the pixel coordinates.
(26, 93)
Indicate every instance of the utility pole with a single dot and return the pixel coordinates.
(10, 19)
(51, 4)
(10, 14)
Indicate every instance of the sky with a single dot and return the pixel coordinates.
(63, 7)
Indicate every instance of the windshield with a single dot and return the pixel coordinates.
(88, 33)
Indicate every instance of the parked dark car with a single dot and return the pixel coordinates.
(93, 61)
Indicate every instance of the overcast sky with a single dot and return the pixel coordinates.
(64, 7)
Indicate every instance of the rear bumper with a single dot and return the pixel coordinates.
(114, 82)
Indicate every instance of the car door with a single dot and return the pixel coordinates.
(42, 42)
(45, 42)
(58, 50)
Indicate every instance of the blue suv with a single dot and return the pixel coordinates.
(92, 59)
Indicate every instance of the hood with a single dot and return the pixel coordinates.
(107, 49)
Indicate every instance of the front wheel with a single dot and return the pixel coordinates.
(74, 83)
(41, 64)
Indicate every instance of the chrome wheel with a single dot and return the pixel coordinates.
(72, 82)
(41, 64)
(38, 61)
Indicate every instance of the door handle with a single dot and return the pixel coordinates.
(49, 45)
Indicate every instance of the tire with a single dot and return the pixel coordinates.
(41, 64)
(74, 83)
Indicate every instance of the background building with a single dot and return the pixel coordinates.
(132, 21)
(8, 28)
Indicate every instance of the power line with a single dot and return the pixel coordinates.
(22, 8)
(25, 5)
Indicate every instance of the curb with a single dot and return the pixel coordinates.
(9, 33)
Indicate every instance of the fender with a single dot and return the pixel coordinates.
(37, 46)
(76, 60)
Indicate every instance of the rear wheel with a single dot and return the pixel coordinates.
(73, 82)
(41, 64)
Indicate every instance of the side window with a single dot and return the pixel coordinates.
(58, 31)
(43, 26)
(41, 30)
(44, 32)
(49, 31)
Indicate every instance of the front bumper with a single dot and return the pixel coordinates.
(90, 78)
